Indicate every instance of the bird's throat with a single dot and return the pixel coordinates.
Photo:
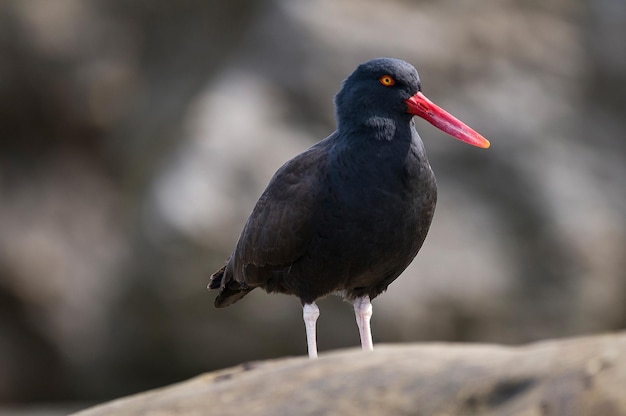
(381, 128)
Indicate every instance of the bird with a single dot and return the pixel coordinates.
(348, 215)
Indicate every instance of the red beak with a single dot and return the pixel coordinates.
(421, 106)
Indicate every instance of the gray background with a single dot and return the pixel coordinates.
(135, 137)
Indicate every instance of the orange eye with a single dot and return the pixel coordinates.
(387, 80)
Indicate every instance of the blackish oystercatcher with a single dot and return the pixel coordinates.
(348, 215)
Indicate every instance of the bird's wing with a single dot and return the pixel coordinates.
(280, 227)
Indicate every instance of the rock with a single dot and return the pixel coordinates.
(580, 376)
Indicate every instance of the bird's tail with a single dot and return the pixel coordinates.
(230, 290)
(215, 281)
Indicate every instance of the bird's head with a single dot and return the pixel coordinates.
(389, 90)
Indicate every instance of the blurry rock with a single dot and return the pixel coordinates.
(576, 377)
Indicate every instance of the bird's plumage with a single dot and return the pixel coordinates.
(349, 214)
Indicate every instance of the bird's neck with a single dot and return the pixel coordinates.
(378, 128)
(377, 141)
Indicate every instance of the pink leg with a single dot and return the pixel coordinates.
(363, 314)
(310, 313)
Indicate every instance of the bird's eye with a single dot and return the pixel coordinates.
(387, 80)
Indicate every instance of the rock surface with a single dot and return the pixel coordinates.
(581, 376)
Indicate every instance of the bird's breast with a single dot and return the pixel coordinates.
(386, 194)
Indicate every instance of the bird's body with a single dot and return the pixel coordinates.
(354, 227)
(349, 214)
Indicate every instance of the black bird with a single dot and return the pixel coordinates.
(348, 215)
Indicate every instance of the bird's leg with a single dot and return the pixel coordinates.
(310, 313)
(363, 314)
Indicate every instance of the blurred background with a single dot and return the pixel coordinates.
(135, 138)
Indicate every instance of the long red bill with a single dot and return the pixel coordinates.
(422, 107)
